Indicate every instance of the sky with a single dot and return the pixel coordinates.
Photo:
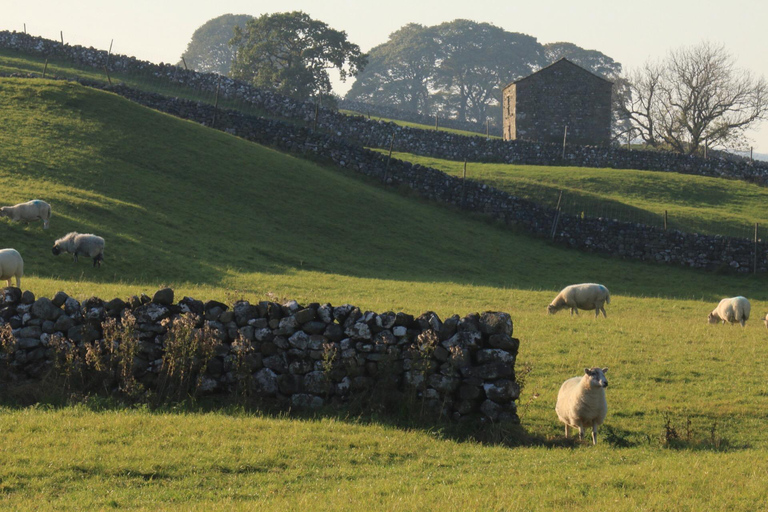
(629, 32)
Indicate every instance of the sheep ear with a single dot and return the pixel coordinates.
(587, 371)
(605, 370)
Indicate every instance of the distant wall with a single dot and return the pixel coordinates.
(360, 130)
(294, 355)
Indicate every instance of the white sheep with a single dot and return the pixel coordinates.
(587, 296)
(732, 310)
(85, 244)
(28, 212)
(11, 265)
(581, 402)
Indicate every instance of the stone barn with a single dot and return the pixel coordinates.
(540, 106)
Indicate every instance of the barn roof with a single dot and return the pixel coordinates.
(559, 63)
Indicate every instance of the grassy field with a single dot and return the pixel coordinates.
(217, 217)
(694, 204)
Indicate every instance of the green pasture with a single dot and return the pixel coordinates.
(694, 204)
(217, 217)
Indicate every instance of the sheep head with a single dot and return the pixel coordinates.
(596, 377)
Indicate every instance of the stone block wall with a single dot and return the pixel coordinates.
(304, 356)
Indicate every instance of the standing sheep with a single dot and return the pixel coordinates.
(581, 402)
(28, 212)
(731, 310)
(587, 296)
(11, 265)
(76, 244)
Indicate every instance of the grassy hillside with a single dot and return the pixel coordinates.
(694, 203)
(218, 217)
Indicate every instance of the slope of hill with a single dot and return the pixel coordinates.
(218, 217)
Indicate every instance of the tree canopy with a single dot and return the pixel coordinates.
(695, 98)
(291, 53)
(457, 69)
(209, 51)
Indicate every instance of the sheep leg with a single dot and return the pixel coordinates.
(18, 282)
(594, 434)
(581, 433)
(742, 322)
(567, 431)
(8, 282)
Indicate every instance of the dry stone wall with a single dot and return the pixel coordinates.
(296, 355)
(359, 130)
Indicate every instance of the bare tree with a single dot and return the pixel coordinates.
(695, 98)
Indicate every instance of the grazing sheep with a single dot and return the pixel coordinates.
(587, 296)
(733, 309)
(76, 243)
(11, 265)
(28, 212)
(581, 402)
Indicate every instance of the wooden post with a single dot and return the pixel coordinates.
(107, 72)
(665, 220)
(754, 267)
(557, 215)
(185, 63)
(25, 28)
(45, 68)
(436, 126)
(464, 185)
(216, 103)
(389, 158)
(565, 136)
(62, 37)
(751, 148)
(107, 64)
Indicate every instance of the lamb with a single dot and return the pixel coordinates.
(11, 265)
(76, 244)
(587, 296)
(28, 212)
(733, 309)
(581, 402)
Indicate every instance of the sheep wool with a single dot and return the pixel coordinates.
(731, 310)
(28, 212)
(11, 265)
(76, 244)
(581, 402)
(586, 296)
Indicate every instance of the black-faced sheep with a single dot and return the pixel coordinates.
(731, 310)
(11, 265)
(587, 296)
(85, 244)
(581, 402)
(28, 212)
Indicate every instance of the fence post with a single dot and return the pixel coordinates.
(389, 158)
(754, 267)
(62, 37)
(185, 63)
(108, 79)
(665, 220)
(216, 103)
(436, 125)
(25, 28)
(464, 185)
(557, 215)
(565, 136)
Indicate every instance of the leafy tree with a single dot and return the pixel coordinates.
(291, 53)
(399, 72)
(694, 98)
(476, 61)
(209, 50)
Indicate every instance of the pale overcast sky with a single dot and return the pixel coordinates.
(629, 32)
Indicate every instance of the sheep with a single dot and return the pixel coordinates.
(581, 402)
(765, 320)
(28, 212)
(76, 244)
(733, 309)
(587, 296)
(11, 265)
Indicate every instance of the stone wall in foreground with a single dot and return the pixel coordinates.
(299, 356)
